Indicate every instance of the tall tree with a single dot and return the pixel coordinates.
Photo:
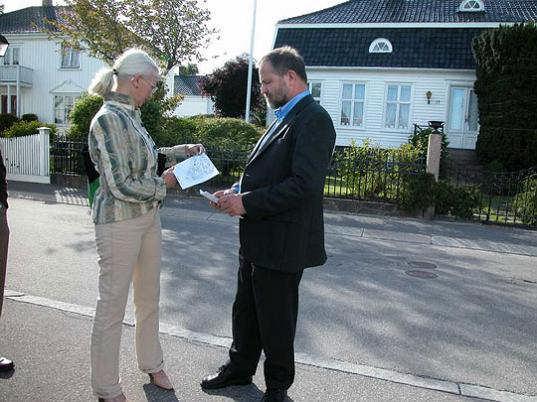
(227, 88)
(172, 31)
(189, 69)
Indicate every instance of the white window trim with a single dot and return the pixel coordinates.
(340, 105)
(385, 108)
(75, 96)
(377, 42)
(310, 84)
(61, 67)
(10, 50)
(465, 6)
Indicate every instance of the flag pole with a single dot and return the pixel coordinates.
(250, 67)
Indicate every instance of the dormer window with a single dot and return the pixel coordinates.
(380, 45)
(472, 6)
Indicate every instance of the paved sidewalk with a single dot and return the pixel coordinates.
(51, 352)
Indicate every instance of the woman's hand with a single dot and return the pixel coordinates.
(194, 149)
(169, 178)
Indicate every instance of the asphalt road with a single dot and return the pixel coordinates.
(470, 320)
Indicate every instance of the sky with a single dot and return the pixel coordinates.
(233, 20)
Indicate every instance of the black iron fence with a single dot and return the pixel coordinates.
(501, 197)
(377, 175)
(66, 158)
(374, 175)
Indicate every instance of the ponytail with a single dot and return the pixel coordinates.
(102, 82)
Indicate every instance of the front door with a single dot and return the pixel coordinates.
(463, 125)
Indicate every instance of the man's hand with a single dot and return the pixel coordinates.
(220, 194)
(231, 204)
(194, 149)
(169, 178)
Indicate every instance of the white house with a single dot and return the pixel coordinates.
(37, 75)
(381, 66)
(194, 101)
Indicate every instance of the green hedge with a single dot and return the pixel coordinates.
(6, 121)
(213, 132)
(80, 117)
(23, 128)
(506, 86)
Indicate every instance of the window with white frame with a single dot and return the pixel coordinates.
(62, 107)
(380, 45)
(398, 98)
(12, 56)
(70, 57)
(352, 104)
(315, 90)
(472, 5)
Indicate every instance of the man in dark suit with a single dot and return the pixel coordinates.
(5, 364)
(279, 200)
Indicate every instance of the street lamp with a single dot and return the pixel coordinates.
(3, 45)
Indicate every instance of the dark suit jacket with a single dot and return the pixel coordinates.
(282, 189)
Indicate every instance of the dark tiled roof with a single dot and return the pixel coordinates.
(188, 84)
(29, 19)
(415, 11)
(412, 47)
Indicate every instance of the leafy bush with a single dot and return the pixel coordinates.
(368, 171)
(227, 133)
(80, 117)
(420, 140)
(417, 192)
(29, 117)
(153, 114)
(6, 121)
(525, 203)
(177, 131)
(23, 128)
(460, 201)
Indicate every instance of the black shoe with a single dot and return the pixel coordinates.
(225, 377)
(6, 364)
(274, 395)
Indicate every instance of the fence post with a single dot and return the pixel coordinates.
(44, 148)
(434, 151)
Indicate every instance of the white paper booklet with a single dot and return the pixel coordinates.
(194, 170)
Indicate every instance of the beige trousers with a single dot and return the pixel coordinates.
(128, 251)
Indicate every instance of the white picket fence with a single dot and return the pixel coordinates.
(27, 158)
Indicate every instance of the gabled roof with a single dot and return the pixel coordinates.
(30, 19)
(418, 11)
(412, 47)
(188, 85)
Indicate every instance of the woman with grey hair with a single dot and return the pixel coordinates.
(125, 211)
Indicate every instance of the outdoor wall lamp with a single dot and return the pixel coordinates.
(428, 95)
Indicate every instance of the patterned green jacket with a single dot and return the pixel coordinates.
(126, 158)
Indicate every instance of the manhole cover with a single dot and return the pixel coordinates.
(421, 274)
(422, 264)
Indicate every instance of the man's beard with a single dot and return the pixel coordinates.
(276, 103)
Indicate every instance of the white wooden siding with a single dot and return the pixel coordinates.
(376, 80)
(43, 56)
(193, 105)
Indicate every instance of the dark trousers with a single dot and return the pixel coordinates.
(4, 240)
(264, 318)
